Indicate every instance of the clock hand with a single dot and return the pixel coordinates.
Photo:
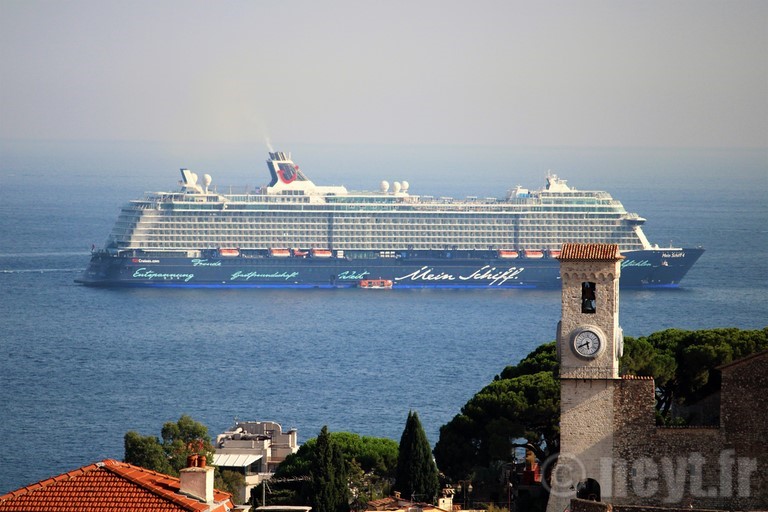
(585, 344)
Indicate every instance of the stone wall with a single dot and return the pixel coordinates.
(591, 506)
(744, 418)
(700, 467)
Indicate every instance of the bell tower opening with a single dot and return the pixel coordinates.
(588, 298)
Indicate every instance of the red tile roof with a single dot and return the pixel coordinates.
(637, 377)
(108, 486)
(395, 504)
(590, 252)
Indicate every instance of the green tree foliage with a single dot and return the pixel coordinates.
(146, 452)
(522, 403)
(230, 481)
(183, 438)
(371, 462)
(180, 439)
(328, 474)
(416, 470)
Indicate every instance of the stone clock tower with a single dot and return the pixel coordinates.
(589, 344)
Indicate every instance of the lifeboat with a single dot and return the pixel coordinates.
(534, 255)
(375, 284)
(279, 253)
(554, 254)
(320, 253)
(229, 252)
(299, 253)
(508, 254)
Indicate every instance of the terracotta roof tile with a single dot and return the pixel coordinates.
(108, 486)
(590, 252)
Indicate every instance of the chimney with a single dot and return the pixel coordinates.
(197, 479)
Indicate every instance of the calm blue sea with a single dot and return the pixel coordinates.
(80, 366)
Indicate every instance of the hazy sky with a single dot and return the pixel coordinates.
(575, 73)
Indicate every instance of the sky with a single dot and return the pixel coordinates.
(585, 73)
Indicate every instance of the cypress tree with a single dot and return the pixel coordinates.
(417, 476)
(329, 476)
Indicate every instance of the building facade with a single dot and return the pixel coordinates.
(254, 449)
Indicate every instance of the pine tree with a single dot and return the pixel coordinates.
(328, 473)
(416, 470)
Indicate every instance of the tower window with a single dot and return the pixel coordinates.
(588, 297)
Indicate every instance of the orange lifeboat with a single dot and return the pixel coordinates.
(375, 284)
(229, 252)
(508, 254)
(554, 254)
(321, 253)
(534, 255)
(279, 253)
(299, 253)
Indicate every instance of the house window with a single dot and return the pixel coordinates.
(588, 297)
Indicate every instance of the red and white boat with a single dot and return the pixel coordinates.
(375, 284)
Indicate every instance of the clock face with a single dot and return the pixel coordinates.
(587, 343)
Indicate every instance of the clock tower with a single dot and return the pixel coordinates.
(589, 344)
(589, 339)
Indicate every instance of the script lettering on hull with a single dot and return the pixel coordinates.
(351, 275)
(145, 273)
(247, 276)
(492, 275)
(205, 263)
(635, 263)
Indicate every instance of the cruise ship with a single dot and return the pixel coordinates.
(292, 233)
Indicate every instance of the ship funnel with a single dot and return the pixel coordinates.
(190, 181)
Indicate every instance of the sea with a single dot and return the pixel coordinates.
(80, 366)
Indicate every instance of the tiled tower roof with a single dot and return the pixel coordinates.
(590, 252)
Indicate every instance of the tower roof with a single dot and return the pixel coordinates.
(590, 252)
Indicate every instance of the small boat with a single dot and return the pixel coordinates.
(299, 253)
(280, 253)
(320, 253)
(534, 255)
(508, 254)
(554, 254)
(375, 284)
(229, 252)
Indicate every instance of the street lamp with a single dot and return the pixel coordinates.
(466, 486)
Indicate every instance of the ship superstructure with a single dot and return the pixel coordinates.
(390, 231)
